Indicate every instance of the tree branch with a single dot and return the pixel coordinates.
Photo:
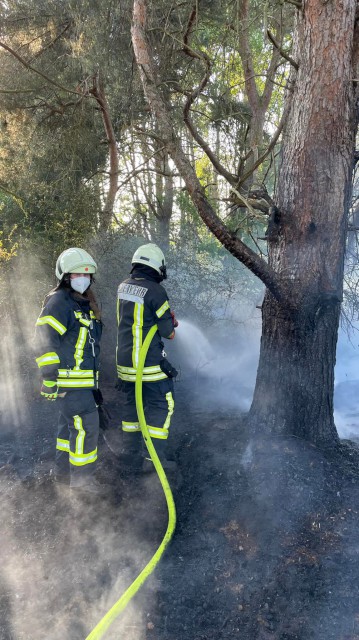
(194, 95)
(138, 170)
(98, 93)
(39, 73)
(16, 91)
(150, 81)
(270, 75)
(269, 148)
(247, 60)
(296, 3)
(283, 53)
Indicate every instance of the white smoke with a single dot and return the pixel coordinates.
(225, 369)
(346, 395)
(223, 366)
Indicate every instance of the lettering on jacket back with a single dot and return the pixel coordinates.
(131, 292)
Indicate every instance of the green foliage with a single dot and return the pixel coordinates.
(54, 202)
(54, 153)
(53, 147)
(8, 248)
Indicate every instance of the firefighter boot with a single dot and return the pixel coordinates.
(87, 487)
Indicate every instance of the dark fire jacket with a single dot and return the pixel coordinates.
(67, 341)
(141, 303)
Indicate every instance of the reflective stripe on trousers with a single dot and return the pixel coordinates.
(78, 431)
(158, 401)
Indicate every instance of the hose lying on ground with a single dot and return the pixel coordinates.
(98, 632)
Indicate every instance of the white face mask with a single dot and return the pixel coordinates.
(80, 284)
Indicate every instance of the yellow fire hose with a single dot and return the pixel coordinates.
(98, 632)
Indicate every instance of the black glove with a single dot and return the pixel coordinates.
(168, 369)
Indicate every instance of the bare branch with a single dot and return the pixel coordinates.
(39, 73)
(296, 3)
(99, 94)
(11, 193)
(138, 170)
(269, 148)
(283, 53)
(16, 91)
(246, 57)
(269, 82)
(148, 200)
(194, 95)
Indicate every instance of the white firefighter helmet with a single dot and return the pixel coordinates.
(74, 260)
(151, 255)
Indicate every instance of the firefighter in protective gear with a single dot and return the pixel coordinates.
(67, 338)
(141, 303)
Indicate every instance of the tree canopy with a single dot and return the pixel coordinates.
(79, 144)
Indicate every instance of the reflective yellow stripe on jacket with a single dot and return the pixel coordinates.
(48, 358)
(137, 332)
(162, 309)
(55, 324)
(79, 347)
(77, 378)
(150, 374)
(85, 321)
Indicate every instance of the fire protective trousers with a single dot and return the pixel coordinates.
(158, 405)
(77, 436)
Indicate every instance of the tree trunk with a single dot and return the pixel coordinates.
(295, 379)
(165, 203)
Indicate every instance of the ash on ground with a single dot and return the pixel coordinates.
(266, 545)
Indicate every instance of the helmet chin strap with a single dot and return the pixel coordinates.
(163, 270)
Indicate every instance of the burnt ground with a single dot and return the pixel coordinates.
(266, 545)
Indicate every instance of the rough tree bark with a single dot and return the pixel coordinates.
(304, 274)
(295, 380)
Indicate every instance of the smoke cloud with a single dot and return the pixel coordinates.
(224, 368)
(346, 395)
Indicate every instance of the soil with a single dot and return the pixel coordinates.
(266, 544)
